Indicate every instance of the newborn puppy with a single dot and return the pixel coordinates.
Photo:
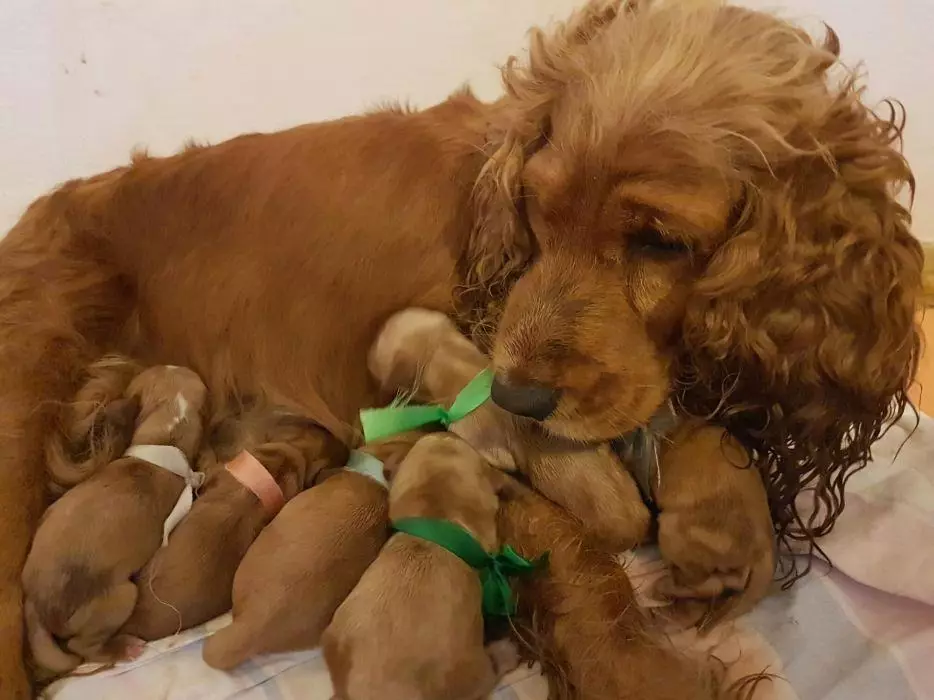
(189, 581)
(77, 579)
(306, 562)
(423, 351)
(412, 629)
(583, 622)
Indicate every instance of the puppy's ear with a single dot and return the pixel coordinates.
(504, 486)
(391, 452)
(113, 426)
(333, 455)
(119, 415)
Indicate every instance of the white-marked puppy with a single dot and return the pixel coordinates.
(77, 579)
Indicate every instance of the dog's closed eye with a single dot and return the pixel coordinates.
(650, 240)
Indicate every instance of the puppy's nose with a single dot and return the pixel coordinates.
(530, 400)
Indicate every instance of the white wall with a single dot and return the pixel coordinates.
(83, 81)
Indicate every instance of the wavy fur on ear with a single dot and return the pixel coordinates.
(88, 436)
(800, 335)
(501, 246)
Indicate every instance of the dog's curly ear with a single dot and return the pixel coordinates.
(802, 336)
(501, 246)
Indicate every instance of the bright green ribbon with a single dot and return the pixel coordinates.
(380, 423)
(494, 569)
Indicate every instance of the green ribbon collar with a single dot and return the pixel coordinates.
(380, 423)
(494, 569)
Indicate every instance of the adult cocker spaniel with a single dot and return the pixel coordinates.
(679, 202)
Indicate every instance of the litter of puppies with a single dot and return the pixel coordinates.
(452, 510)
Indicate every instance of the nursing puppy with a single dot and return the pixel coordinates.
(583, 622)
(412, 629)
(423, 351)
(90, 543)
(306, 562)
(189, 581)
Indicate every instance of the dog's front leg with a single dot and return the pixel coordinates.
(714, 527)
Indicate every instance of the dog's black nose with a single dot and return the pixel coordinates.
(530, 400)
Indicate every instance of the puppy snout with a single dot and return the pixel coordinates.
(535, 401)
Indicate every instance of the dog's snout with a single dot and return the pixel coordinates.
(534, 401)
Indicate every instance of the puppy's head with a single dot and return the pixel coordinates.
(173, 402)
(422, 351)
(443, 477)
(392, 451)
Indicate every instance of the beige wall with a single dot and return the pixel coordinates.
(83, 81)
(922, 392)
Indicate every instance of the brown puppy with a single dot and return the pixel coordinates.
(306, 562)
(189, 581)
(422, 350)
(412, 629)
(91, 542)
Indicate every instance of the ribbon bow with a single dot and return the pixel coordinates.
(495, 569)
(172, 460)
(379, 423)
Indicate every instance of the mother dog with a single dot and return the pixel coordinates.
(673, 201)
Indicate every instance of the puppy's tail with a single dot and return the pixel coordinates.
(96, 426)
(228, 648)
(50, 659)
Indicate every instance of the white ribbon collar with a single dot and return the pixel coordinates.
(367, 465)
(173, 460)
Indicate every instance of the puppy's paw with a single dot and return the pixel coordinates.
(125, 647)
(133, 648)
(718, 569)
(593, 486)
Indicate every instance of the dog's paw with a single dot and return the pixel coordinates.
(717, 569)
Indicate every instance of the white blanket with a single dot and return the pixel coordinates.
(862, 631)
